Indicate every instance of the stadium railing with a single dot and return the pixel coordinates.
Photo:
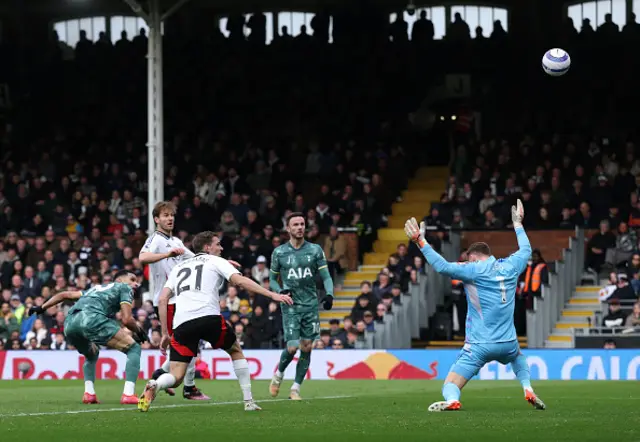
(596, 337)
(562, 282)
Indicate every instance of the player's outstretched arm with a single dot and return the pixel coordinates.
(520, 258)
(150, 257)
(439, 264)
(55, 300)
(250, 285)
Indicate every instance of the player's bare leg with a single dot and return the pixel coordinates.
(521, 369)
(123, 341)
(285, 359)
(174, 378)
(301, 369)
(241, 368)
(453, 384)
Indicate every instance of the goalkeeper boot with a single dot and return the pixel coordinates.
(445, 406)
(534, 400)
(274, 387)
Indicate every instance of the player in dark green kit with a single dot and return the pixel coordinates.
(89, 323)
(294, 267)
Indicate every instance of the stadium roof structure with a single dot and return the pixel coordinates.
(75, 7)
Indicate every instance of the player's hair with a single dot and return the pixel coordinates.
(202, 239)
(162, 206)
(295, 215)
(122, 273)
(480, 248)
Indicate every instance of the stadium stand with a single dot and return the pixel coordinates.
(324, 141)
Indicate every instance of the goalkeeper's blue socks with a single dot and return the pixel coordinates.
(451, 392)
(521, 370)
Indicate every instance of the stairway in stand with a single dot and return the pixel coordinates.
(426, 187)
(578, 312)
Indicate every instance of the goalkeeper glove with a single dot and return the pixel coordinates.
(414, 232)
(517, 214)
(328, 302)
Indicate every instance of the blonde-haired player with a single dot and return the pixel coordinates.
(163, 251)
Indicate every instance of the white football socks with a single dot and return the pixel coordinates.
(165, 381)
(129, 388)
(190, 376)
(89, 388)
(241, 368)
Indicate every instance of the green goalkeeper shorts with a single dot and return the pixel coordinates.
(301, 325)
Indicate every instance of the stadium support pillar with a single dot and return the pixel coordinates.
(155, 111)
(155, 120)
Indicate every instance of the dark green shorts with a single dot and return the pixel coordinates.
(301, 325)
(83, 328)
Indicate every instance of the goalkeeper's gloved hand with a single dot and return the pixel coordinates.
(327, 304)
(414, 232)
(517, 214)
(35, 310)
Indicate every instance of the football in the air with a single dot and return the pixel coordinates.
(556, 62)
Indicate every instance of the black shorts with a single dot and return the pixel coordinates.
(186, 337)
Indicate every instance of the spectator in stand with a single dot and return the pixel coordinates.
(368, 320)
(260, 271)
(233, 301)
(382, 286)
(626, 243)
(598, 245)
(335, 331)
(335, 250)
(362, 305)
(609, 344)
(624, 291)
(396, 293)
(633, 320)
(616, 317)
(8, 322)
(381, 310)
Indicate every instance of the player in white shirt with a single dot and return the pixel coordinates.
(195, 283)
(162, 251)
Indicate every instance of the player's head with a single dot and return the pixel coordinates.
(126, 277)
(478, 251)
(206, 242)
(296, 225)
(164, 215)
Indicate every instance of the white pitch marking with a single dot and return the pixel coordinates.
(158, 407)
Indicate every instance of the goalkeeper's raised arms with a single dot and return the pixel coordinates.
(517, 214)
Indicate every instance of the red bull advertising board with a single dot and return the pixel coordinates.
(336, 365)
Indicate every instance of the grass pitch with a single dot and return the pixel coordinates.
(333, 411)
